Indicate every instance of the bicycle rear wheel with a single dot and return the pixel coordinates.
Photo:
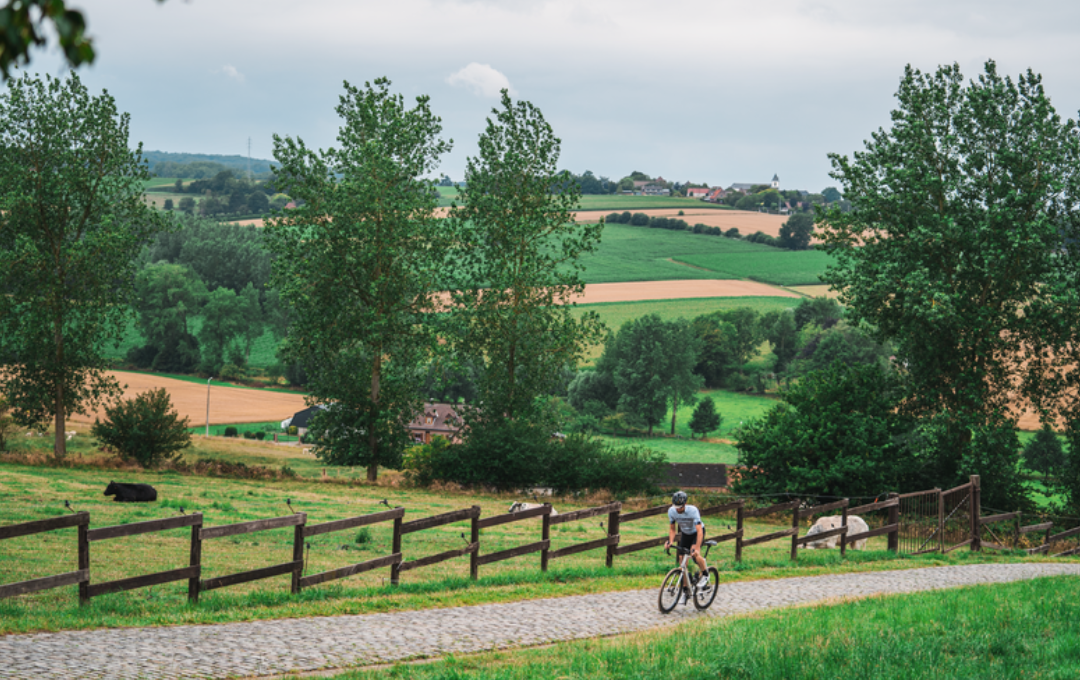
(705, 595)
(671, 591)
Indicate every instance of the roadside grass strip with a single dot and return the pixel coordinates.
(1025, 629)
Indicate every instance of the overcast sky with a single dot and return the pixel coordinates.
(702, 90)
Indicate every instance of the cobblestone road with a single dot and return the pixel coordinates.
(297, 645)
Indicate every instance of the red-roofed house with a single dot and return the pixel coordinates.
(437, 420)
(697, 192)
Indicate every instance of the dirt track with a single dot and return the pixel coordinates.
(227, 404)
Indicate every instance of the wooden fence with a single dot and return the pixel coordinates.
(959, 507)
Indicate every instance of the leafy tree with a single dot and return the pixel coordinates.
(960, 245)
(168, 204)
(187, 205)
(257, 203)
(224, 317)
(831, 194)
(780, 330)
(146, 429)
(1069, 478)
(517, 258)
(836, 434)
(652, 362)
(72, 221)
(822, 311)
(795, 234)
(589, 387)
(228, 255)
(1044, 453)
(167, 297)
(253, 318)
(640, 220)
(358, 266)
(705, 418)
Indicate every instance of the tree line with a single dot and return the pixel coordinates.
(795, 233)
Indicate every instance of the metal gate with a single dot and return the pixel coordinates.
(957, 506)
(919, 522)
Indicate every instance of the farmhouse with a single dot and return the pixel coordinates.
(697, 192)
(436, 420)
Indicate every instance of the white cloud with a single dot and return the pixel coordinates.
(230, 71)
(481, 79)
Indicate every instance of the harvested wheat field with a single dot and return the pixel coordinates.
(746, 222)
(227, 404)
(634, 291)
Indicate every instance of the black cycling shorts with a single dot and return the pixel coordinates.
(688, 541)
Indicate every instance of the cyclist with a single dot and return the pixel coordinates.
(687, 521)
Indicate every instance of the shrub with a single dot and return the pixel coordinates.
(231, 372)
(146, 429)
(625, 217)
(260, 436)
(248, 434)
(640, 220)
(7, 423)
(681, 213)
(230, 431)
(613, 217)
(732, 233)
(292, 430)
(700, 228)
(363, 536)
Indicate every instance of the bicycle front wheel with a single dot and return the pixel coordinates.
(705, 595)
(671, 591)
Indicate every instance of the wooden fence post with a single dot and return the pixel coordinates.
(474, 558)
(195, 561)
(613, 530)
(795, 533)
(976, 513)
(894, 518)
(298, 553)
(84, 562)
(739, 531)
(545, 535)
(395, 569)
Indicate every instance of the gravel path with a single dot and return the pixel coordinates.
(297, 645)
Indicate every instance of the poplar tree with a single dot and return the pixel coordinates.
(358, 266)
(72, 221)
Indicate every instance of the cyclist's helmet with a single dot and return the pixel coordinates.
(678, 498)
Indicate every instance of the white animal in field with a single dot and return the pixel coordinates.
(518, 506)
(855, 524)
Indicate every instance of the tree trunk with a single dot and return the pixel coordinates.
(373, 442)
(59, 440)
(674, 408)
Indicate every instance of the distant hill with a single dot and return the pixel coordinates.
(200, 165)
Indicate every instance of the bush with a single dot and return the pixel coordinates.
(732, 233)
(230, 431)
(640, 220)
(260, 436)
(519, 455)
(146, 429)
(625, 217)
(700, 228)
(248, 434)
(7, 423)
(613, 217)
(292, 430)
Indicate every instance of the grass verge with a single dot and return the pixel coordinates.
(1029, 629)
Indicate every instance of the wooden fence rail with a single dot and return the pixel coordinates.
(391, 560)
(400, 529)
(611, 542)
(81, 576)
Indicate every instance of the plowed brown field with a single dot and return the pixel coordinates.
(227, 404)
(675, 290)
(746, 222)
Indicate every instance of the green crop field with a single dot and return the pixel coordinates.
(629, 253)
(615, 314)
(771, 265)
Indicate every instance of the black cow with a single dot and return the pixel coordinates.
(131, 493)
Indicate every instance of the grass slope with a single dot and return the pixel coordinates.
(30, 493)
(772, 265)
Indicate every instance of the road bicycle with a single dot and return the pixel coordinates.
(681, 584)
